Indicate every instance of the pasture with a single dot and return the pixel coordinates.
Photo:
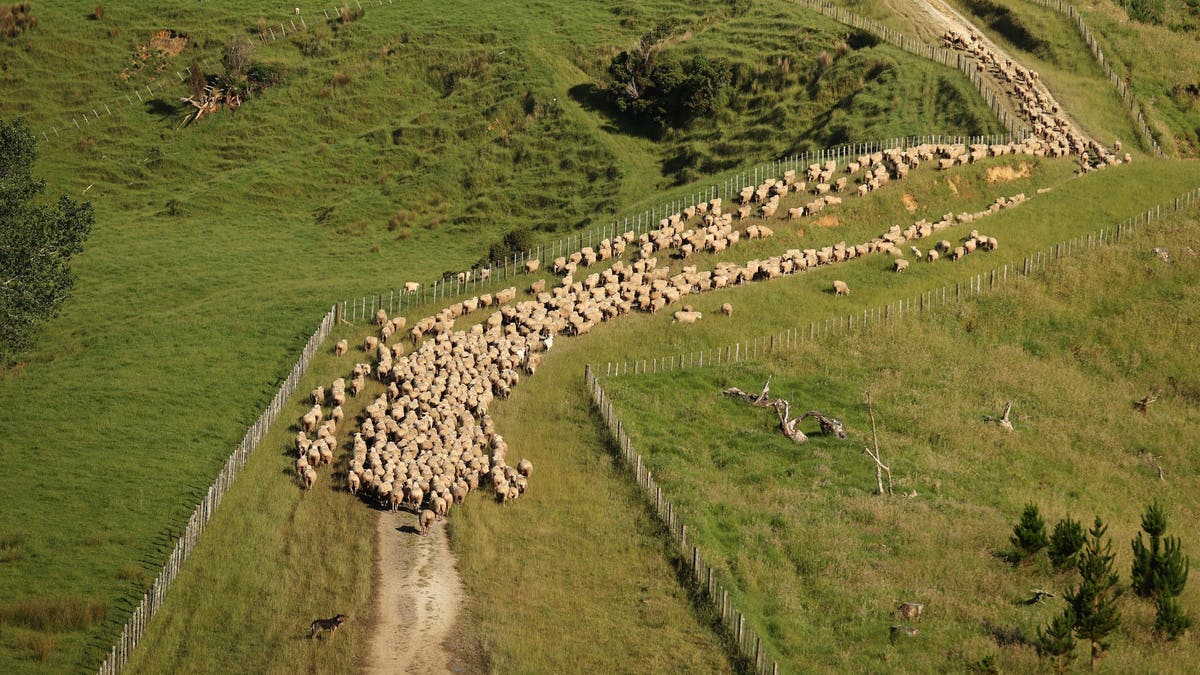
(820, 562)
(399, 146)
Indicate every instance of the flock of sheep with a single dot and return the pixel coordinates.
(427, 440)
(1036, 105)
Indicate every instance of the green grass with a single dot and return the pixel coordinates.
(820, 563)
(218, 246)
(1163, 79)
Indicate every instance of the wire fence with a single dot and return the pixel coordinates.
(701, 574)
(131, 634)
(500, 273)
(920, 304)
(1015, 125)
(1131, 105)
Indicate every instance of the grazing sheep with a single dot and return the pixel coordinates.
(840, 288)
(727, 309)
(932, 256)
(411, 287)
(341, 347)
(900, 264)
(427, 518)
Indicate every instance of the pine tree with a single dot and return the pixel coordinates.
(1065, 543)
(1094, 600)
(1160, 571)
(1170, 620)
(1029, 535)
(1057, 641)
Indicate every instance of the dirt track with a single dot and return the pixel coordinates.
(419, 598)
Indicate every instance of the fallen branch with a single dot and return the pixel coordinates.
(1004, 421)
(1143, 406)
(787, 424)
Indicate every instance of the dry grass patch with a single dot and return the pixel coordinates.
(1005, 174)
(827, 221)
(910, 203)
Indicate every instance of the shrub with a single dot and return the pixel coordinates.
(16, 19)
(98, 12)
(1065, 544)
(1057, 640)
(237, 56)
(1169, 618)
(1160, 569)
(40, 645)
(1029, 535)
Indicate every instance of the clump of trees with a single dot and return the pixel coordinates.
(1158, 573)
(37, 242)
(660, 91)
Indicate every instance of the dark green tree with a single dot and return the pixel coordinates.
(1065, 543)
(1057, 641)
(1029, 534)
(1160, 567)
(37, 242)
(1169, 618)
(1094, 601)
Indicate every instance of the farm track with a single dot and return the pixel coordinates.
(932, 18)
(419, 596)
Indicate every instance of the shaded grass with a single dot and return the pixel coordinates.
(217, 247)
(820, 563)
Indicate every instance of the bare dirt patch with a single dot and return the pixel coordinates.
(910, 202)
(827, 221)
(418, 598)
(952, 183)
(1004, 174)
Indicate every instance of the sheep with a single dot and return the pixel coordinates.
(353, 482)
(341, 347)
(727, 309)
(301, 466)
(440, 507)
(411, 287)
(318, 395)
(932, 256)
(370, 344)
(840, 288)
(683, 316)
(525, 467)
(532, 266)
(427, 518)
(900, 264)
(381, 317)
(310, 478)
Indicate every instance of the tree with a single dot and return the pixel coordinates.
(1029, 535)
(1057, 640)
(1169, 618)
(1094, 601)
(1160, 571)
(36, 242)
(1161, 567)
(1065, 543)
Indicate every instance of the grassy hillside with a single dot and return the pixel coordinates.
(821, 563)
(402, 145)
(1164, 78)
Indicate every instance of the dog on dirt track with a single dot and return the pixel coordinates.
(330, 625)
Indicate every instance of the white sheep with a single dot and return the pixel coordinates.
(840, 288)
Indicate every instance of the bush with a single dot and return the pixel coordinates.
(1065, 544)
(519, 240)
(16, 19)
(1169, 618)
(1029, 535)
(237, 56)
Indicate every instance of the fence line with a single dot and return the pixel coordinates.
(393, 301)
(1015, 125)
(1131, 105)
(702, 575)
(926, 301)
(131, 634)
